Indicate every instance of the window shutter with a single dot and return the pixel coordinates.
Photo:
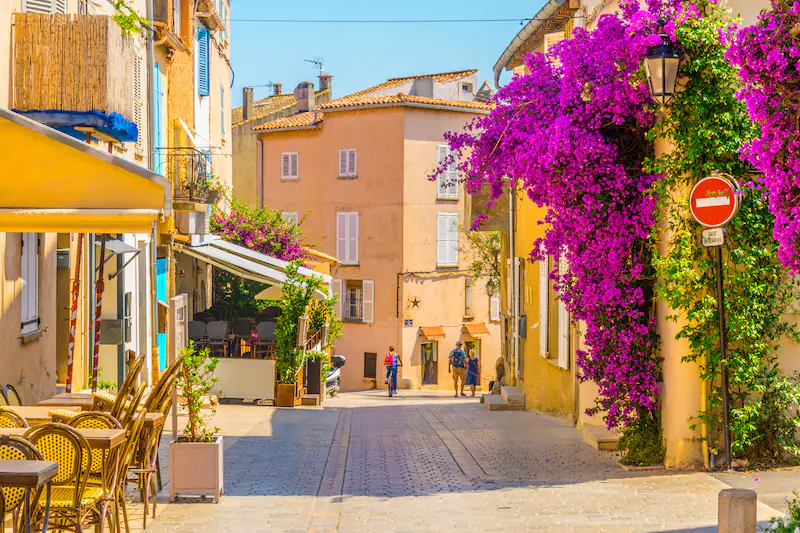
(494, 308)
(158, 107)
(29, 276)
(286, 166)
(44, 6)
(202, 62)
(447, 181)
(469, 285)
(342, 163)
(295, 163)
(138, 101)
(351, 162)
(441, 238)
(337, 291)
(341, 238)
(352, 238)
(441, 178)
(368, 302)
(452, 239)
(61, 6)
(176, 17)
(544, 306)
(563, 321)
(452, 179)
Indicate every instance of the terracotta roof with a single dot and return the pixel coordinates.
(400, 98)
(265, 106)
(302, 120)
(441, 77)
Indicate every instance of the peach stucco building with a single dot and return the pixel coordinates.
(354, 173)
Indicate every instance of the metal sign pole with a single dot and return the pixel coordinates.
(723, 346)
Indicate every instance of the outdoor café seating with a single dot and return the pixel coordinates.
(238, 338)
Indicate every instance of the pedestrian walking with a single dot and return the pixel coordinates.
(391, 362)
(473, 370)
(457, 366)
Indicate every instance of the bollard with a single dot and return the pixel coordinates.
(737, 511)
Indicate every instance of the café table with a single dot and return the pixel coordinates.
(81, 400)
(36, 414)
(29, 475)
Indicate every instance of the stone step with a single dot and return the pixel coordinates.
(311, 399)
(513, 396)
(600, 437)
(495, 402)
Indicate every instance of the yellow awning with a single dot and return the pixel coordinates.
(52, 182)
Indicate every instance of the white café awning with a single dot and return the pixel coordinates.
(246, 263)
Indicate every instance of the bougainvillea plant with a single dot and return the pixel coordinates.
(571, 136)
(767, 54)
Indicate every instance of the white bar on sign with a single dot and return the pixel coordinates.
(713, 202)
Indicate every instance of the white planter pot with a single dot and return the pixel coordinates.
(196, 468)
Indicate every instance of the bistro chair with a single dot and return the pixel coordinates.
(242, 329)
(133, 442)
(217, 332)
(9, 418)
(266, 339)
(73, 501)
(12, 397)
(221, 310)
(3, 399)
(104, 401)
(197, 332)
(96, 420)
(129, 409)
(204, 316)
(13, 448)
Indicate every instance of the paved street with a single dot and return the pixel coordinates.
(428, 463)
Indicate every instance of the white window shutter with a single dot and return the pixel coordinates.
(563, 322)
(29, 294)
(352, 238)
(544, 306)
(452, 239)
(351, 163)
(494, 308)
(138, 101)
(295, 160)
(341, 238)
(286, 168)
(441, 238)
(337, 291)
(452, 179)
(368, 302)
(44, 6)
(342, 163)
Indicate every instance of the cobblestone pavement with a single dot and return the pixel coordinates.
(428, 463)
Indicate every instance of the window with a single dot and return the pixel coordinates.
(370, 365)
(466, 87)
(29, 276)
(563, 321)
(447, 181)
(45, 6)
(447, 229)
(469, 285)
(291, 216)
(138, 101)
(355, 300)
(347, 238)
(347, 163)
(494, 308)
(289, 162)
(202, 62)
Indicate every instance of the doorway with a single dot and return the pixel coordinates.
(474, 345)
(430, 363)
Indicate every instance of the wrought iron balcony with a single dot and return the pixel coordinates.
(189, 170)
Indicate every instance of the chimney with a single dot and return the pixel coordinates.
(247, 103)
(278, 88)
(325, 82)
(304, 94)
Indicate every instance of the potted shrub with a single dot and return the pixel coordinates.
(196, 458)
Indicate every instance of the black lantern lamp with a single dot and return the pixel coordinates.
(661, 64)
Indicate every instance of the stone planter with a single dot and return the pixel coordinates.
(196, 468)
(286, 395)
(214, 196)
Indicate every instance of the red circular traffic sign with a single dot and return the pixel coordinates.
(713, 201)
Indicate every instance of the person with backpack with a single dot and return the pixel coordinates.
(457, 366)
(391, 362)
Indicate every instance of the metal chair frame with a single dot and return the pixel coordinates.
(15, 420)
(24, 450)
(12, 396)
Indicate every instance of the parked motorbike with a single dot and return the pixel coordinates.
(333, 381)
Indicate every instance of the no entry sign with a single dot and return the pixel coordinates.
(713, 201)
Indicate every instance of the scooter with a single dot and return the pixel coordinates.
(333, 381)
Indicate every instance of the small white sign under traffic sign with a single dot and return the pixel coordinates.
(713, 237)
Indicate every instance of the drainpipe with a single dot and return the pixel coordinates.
(154, 293)
(514, 281)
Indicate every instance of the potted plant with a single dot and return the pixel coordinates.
(196, 458)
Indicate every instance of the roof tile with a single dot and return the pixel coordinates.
(302, 120)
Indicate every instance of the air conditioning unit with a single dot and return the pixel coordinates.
(192, 222)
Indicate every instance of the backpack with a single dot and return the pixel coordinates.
(388, 360)
(457, 358)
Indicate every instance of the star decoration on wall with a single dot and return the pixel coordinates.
(415, 302)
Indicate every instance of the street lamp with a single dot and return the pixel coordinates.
(661, 64)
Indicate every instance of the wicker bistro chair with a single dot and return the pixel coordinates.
(16, 449)
(104, 401)
(217, 333)
(12, 396)
(9, 418)
(3, 399)
(73, 502)
(97, 420)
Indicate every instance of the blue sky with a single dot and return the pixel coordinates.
(361, 55)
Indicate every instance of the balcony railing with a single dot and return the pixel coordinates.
(79, 63)
(189, 170)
